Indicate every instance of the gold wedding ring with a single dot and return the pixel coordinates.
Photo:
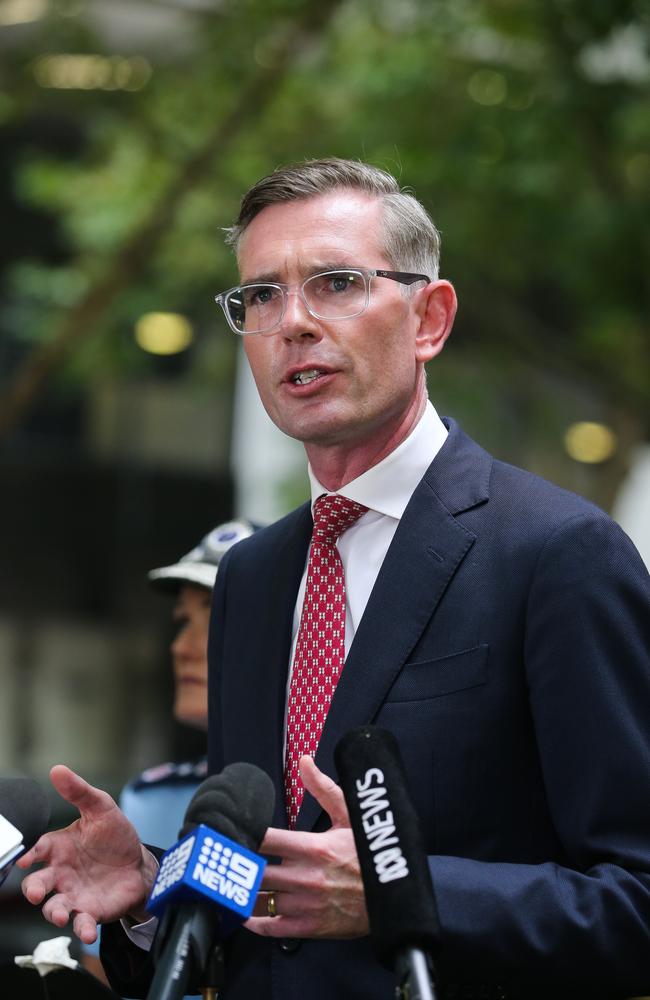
(270, 904)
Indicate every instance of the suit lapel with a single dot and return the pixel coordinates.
(427, 549)
(268, 640)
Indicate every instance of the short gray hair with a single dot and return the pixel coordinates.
(411, 241)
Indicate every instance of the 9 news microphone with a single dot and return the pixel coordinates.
(24, 815)
(401, 905)
(209, 880)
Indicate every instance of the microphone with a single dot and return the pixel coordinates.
(399, 894)
(208, 882)
(24, 815)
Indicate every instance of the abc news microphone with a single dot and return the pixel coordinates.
(209, 880)
(24, 815)
(401, 906)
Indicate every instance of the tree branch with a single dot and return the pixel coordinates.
(86, 316)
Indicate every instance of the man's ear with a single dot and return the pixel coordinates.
(436, 312)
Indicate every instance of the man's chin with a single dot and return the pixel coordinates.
(326, 429)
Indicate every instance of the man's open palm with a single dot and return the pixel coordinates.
(96, 869)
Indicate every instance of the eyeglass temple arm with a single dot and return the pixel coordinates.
(405, 277)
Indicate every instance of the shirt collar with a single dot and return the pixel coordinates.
(388, 486)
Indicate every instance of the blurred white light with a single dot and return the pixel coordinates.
(590, 442)
(92, 72)
(163, 333)
(21, 11)
(622, 56)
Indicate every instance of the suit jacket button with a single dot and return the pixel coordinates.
(288, 945)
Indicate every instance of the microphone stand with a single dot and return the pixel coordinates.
(414, 971)
(184, 952)
(214, 976)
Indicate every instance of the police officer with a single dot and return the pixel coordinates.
(155, 801)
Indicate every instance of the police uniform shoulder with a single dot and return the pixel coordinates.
(172, 773)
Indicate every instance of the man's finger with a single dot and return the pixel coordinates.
(85, 928)
(39, 852)
(284, 903)
(75, 790)
(267, 926)
(261, 907)
(283, 878)
(291, 844)
(326, 792)
(282, 927)
(57, 910)
(38, 885)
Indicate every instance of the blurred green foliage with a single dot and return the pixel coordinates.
(523, 125)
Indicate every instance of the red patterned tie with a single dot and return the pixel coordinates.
(320, 649)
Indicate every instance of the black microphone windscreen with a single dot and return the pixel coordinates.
(24, 803)
(238, 803)
(397, 882)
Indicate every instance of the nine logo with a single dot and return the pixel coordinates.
(210, 865)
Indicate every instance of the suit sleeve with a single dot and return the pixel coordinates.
(129, 969)
(584, 923)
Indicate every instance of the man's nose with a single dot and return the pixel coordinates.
(297, 321)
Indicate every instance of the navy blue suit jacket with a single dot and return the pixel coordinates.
(505, 644)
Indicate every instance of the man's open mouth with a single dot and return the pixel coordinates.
(303, 378)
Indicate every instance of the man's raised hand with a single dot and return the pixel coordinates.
(95, 870)
(316, 889)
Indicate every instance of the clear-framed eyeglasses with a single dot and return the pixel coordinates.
(259, 307)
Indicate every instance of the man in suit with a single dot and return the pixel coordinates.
(496, 624)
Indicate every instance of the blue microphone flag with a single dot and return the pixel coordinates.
(206, 865)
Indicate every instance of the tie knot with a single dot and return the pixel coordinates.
(333, 515)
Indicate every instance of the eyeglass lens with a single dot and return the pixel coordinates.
(332, 295)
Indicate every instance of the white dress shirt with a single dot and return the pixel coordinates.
(385, 489)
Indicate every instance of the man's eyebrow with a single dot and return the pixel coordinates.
(336, 265)
(261, 278)
(315, 268)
